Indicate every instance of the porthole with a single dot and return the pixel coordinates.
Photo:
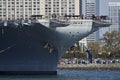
(73, 35)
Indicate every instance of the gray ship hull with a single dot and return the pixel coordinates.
(23, 52)
(36, 49)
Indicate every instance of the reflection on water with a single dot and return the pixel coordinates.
(70, 75)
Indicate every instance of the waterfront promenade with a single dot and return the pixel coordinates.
(93, 66)
(98, 64)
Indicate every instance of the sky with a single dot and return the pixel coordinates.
(104, 6)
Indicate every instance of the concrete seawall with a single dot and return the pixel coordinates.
(115, 66)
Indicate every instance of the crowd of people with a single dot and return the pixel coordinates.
(85, 61)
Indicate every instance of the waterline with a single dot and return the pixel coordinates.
(71, 75)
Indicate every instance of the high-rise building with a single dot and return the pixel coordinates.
(62, 7)
(17, 9)
(89, 8)
(106, 10)
(114, 13)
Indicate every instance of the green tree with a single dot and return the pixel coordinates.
(112, 43)
(96, 49)
(74, 52)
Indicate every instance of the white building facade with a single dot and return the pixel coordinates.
(83, 44)
(17, 9)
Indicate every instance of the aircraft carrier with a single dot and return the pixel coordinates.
(30, 47)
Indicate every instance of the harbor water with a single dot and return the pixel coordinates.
(70, 75)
